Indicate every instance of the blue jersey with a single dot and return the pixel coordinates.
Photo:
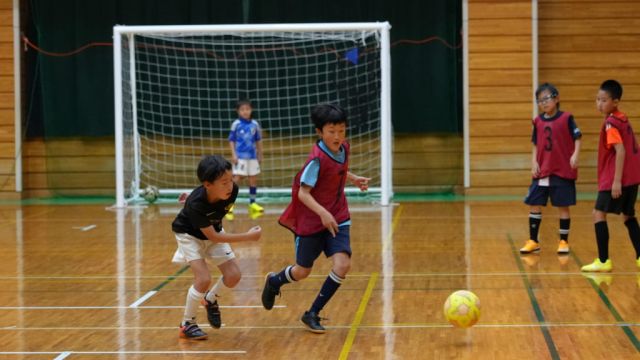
(245, 133)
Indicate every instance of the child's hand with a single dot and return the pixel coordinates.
(535, 169)
(234, 159)
(616, 189)
(574, 161)
(361, 182)
(329, 222)
(254, 233)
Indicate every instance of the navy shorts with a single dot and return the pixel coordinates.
(561, 191)
(308, 248)
(624, 204)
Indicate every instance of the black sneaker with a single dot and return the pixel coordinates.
(190, 330)
(269, 293)
(312, 321)
(213, 312)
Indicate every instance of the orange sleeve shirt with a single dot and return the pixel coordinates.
(613, 136)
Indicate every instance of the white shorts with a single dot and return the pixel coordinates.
(191, 248)
(246, 167)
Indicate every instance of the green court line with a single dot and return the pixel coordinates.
(170, 278)
(553, 351)
(616, 315)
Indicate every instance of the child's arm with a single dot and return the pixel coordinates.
(234, 157)
(576, 153)
(221, 237)
(359, 181)
(328, 221)
(535, 167)
(616, 188)
(259, 150)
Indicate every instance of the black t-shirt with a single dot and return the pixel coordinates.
(199, 213)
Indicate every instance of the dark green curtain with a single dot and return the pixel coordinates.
(73, 95)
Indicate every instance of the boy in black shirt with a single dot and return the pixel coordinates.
(198, 230)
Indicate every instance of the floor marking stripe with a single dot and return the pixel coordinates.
(605, 299)
(551, 346)
(143, 299)
(126, 307)
(353, 329)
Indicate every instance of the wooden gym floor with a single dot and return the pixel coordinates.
(82, 282)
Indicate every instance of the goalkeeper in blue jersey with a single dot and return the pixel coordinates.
(245, 140)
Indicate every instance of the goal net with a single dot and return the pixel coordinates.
(176, 88)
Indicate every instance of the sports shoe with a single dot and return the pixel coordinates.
(563, 247)
(213, 312)
(529, 247)
(229, 215)
(597, 266)
(599, 279)
(638, 262)
(312, 321)
(269, 293)
(190, 330)
(255, 208)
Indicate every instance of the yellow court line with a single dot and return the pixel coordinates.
(353, 329)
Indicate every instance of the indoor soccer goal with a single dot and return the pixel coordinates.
(176, 88)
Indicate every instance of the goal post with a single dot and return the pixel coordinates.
(176, 88)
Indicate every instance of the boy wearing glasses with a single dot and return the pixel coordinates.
(554, 164)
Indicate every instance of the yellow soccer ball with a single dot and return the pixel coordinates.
(462, 309)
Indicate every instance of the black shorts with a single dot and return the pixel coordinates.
(308, 248)
(561, 191)
(624, 204)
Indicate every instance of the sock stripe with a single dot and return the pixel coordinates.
(535, 216)
(287, 274)
(564, 231)
(335, 278)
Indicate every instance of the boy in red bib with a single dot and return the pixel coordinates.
(618, 175)
(318, 214)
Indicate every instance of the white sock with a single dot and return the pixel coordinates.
(216, 290)
(191, 307)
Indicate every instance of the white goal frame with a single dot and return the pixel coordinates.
(386, 182)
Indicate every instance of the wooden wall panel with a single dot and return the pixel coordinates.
(581, 44)
(7, 140)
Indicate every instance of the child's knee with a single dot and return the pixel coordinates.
(232, 279)
(342, 267)
(202, 282)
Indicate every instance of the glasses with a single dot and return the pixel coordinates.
(545, 99)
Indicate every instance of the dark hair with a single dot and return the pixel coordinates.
(613, 88)
(324, 114)
(212, 167)
(551, 88)
(243, 102)
(547, 86)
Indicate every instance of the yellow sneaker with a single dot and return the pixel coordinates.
(599, 279)
(597, 266)
(529, 247)
(638, 262)
(229, 216)
(563, 247)
(255, 207)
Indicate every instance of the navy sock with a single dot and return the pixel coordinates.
(330, 286)
(602, 237)
(253, 191)
(565, 224)
(634, 234)
(281, 278)
(534, 225)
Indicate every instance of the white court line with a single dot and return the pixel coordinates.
(143, 299)
(126, 307)
(372, 327)
(124, 352)
(85, 228)
(63, 355)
